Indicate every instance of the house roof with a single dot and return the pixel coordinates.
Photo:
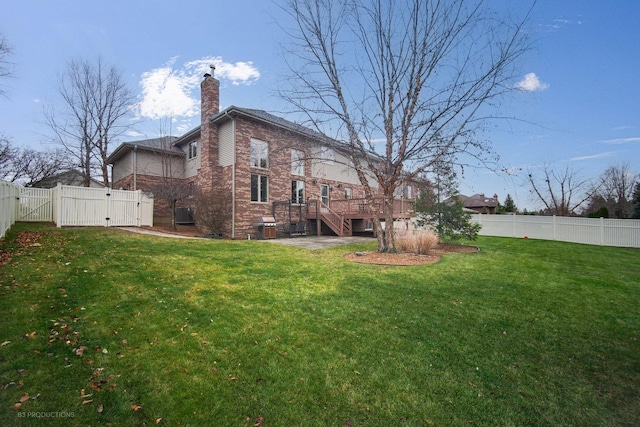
(163, 144)
(70, 177)
(479, 201)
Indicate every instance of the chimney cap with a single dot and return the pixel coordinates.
(213, 70)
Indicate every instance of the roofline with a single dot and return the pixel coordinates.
(128, 146)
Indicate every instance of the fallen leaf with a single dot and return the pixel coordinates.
(158, 420)
(5, 343)
(80, 351)
(86, 402)
(136, 408)
(31, 335)
(100, 409)
(258, 422)
(24, 398)
(17, 406)
(104, 351)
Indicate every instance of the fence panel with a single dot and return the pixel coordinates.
(591, 231)
(146, 210)
(9, 194)
(82, 206)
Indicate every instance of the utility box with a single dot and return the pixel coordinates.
(266, 227)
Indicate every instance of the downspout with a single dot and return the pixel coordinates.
(135, 167)
(233, 177)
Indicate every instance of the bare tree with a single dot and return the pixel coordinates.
(213, 209)
(27, 165)
(614, 190)
(6, 67)
(171, 186)
(8, 154)
(403, 83)
(96, 101)
(561, 192)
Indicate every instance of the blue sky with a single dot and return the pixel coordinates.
(580, 107)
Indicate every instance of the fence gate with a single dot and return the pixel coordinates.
(35, 205)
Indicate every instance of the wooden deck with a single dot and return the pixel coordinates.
(341, 214)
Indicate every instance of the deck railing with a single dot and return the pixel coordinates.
(359, 207)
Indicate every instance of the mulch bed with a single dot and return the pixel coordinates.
(409, 258)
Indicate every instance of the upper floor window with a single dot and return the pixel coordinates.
(297, 162)
(259, 154)
(193, 149)
(348, 193)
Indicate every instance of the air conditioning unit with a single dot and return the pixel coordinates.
(184, 216)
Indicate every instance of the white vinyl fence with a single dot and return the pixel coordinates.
(8, 202)
(591, 231)
(74, 206)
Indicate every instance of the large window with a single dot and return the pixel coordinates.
(259, 188)
(259, 154)
(297, 162)
(297, 192)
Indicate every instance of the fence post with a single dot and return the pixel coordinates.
(58, 207)
(138, 208)
(513, 225)
(601, 231)
(555, 228)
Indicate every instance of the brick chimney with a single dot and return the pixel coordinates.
(210, 95)
(209, 106)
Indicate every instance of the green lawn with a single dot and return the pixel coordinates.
(105, 327)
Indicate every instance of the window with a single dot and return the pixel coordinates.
(409, 192)
(297, 192)
(193, 149)
(259, 188)
(297, 162)
(259, 154)
(348, 193)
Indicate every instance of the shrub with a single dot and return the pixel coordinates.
(415, 241)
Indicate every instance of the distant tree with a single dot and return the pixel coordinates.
(635, 212)
(602, 212)
(614, 190)
(508, 206)
(27, 165)
(96, 101)
(561, 192)
(410, 80)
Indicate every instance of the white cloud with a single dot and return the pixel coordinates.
(531, 83)
(172, 91)
(622, 140)
(594, 156)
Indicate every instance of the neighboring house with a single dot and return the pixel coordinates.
(70, 177)
(480, 203)
(271, 167)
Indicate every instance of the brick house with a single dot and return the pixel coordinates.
(269, 166)
(480, 203)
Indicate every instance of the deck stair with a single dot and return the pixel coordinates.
(338, 223)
